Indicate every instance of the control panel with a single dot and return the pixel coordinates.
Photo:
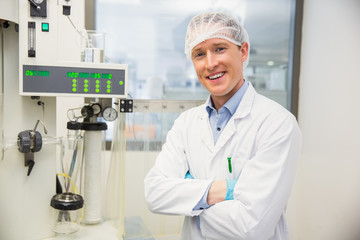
(75, 79)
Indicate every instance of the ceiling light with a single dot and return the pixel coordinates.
(270, 63)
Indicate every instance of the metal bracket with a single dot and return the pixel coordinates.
(126, 105)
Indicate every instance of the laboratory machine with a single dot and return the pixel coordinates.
(56, 97)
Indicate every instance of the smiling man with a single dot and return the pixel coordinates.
(219, 67)
(228, 165)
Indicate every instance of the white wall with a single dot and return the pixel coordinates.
(325, 203)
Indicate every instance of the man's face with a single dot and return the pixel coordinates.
(219, 66)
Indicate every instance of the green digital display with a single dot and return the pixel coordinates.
(31, 73)
(106, 76)
(37, 73)
(72, 74)
(44, 73)
(84, 75)
(96, 75)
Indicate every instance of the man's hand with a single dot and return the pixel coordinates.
(221, 190)
(217, 192)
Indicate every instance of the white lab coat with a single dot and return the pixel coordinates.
(263, 140)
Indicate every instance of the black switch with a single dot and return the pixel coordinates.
(66, 10)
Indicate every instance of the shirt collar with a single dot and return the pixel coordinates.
(232, 104)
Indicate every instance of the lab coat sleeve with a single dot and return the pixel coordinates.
(263, 188)
(166, 190)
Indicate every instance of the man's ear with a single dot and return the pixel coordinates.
(244, 51)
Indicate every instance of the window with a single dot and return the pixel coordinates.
(148, 35)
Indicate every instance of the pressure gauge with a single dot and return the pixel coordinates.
(110, 114)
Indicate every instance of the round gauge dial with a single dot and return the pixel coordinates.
(110, 114)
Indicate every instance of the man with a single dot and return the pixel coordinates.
(227, 165)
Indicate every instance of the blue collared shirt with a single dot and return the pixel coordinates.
(218, 121)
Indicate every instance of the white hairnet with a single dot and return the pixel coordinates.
(210, 25)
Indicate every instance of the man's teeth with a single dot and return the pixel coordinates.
(216, 76)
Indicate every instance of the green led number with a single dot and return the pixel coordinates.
(44, 73)
(95, 75)
(72, 74)
(84, 75)
(106, 76)
(31, 73)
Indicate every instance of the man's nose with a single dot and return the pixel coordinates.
(211, 61)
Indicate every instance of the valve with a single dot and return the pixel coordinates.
(29, 142)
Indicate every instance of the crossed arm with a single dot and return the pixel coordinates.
(260, 194)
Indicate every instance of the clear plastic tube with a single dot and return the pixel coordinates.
(12, 143)
(32, 38)
(115, 186)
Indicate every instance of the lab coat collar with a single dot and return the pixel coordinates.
(246, 103)
(242, 111)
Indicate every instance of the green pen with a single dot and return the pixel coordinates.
(229, 162)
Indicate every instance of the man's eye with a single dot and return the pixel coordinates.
(199, 54)
(220, 49)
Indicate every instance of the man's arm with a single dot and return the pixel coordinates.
(166, 190)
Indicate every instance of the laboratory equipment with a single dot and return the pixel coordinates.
(67, 210)
(41, 79)
(90, 183)
(85, 120)
(29, 142)
(93, 46)
(71, 152)
(74, 79)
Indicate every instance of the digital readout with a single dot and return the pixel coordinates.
(37, 73)
(107, 76)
